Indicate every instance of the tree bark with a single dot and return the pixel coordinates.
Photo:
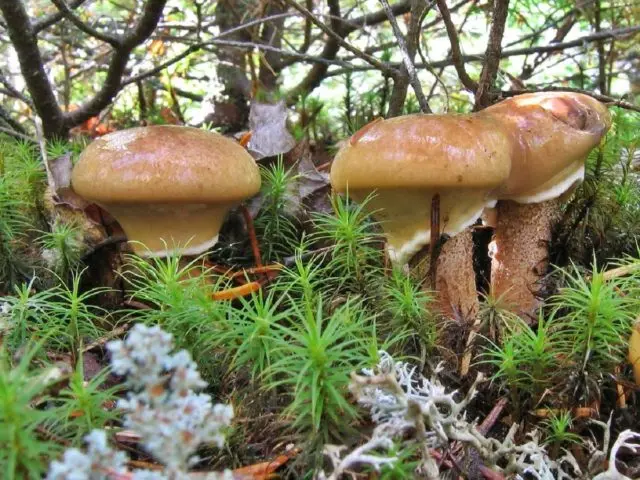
(24, 41)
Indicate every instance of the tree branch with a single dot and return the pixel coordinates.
(340, 39)
(601, 98)
(141, 31)
(456, 53)
(73, 18)
(330, 50)
(408, 69)
(555, 47)
(4, 115)
(54, 18)
(380, 16)
(492, 55)
(25, 43)
(162, 66)
(13, 91)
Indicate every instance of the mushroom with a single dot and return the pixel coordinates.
(430, 174)
(410, 161)
(169, 187)
(552, 134)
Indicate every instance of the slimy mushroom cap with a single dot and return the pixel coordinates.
(169, 187)
(407, 160)
(554, 132)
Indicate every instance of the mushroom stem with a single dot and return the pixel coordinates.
(521, 253)
(455, 279)
(435, 237)
(435, 222)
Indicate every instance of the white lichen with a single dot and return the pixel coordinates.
(161, 406)
(407, 407)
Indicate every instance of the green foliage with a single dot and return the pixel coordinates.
(70, 314)
(558, 429)
(179, 293)
(316, 354)
(405, 465)
(407, 306)
(250, 333)
(62, 248)
(26, 316)
(595, 322)
(24, 451)
(86, 405)
(276, 225)
(354, 261)
(604, 215)
(527, 359)
(22, 185)
(12, 228)
(62, 314)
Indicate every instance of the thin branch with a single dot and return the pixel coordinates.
(426, 26)
(578, 42)
(13, 133)
(602, 98)
(492, 55)
(261, 46)
(6, 117)
(339, 39)
(407, 57)
(25, 43)
(54, 18)
(73, 18)
(555, 47)
(141, 31)
(154, 71)
(380, 16)
(456, 53)
(13, 91)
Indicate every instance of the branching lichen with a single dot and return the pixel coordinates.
(162, 407)
(407, 407)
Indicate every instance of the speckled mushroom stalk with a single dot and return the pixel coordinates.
(169, 187)
(552, 134)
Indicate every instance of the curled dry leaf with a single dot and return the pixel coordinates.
(269, 134)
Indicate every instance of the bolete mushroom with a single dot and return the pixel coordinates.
(428, 171)
(552, 134)
(169, 187)
(408, 161)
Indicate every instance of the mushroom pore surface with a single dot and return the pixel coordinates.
(405, 161)
(169, 187)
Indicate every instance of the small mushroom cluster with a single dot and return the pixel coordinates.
(435, 174)
(169, 187)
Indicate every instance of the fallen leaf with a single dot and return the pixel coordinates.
(268, 126)
(265, 470)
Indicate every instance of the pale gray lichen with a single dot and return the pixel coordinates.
(162, 407)
(407, 407)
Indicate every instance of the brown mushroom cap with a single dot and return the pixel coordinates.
(554, 133)
(406, 160)
(169, 187)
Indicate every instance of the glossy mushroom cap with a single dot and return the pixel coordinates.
(407, 160)
(169, 187)
(554, 133)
